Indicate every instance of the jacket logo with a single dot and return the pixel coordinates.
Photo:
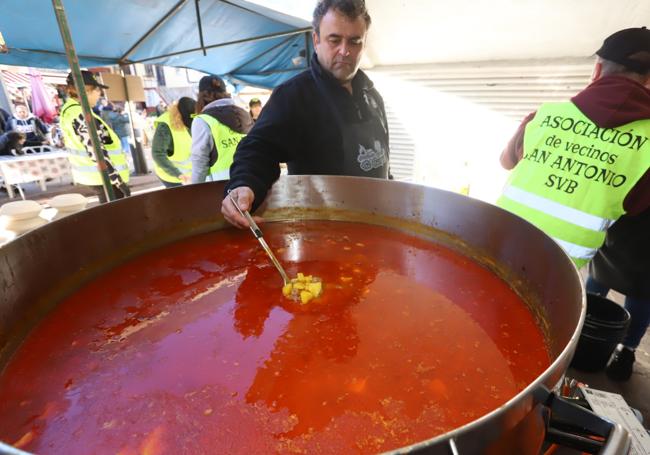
(370, 158)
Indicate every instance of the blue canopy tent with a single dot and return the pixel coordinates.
(242, 41)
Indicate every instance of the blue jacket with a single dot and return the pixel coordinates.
(118, 122)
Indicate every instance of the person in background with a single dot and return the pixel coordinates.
(161, 108)
(105, 112)
(172, 144)
(78, 142)
(255, 107)
(4, 118)
(216, 130)
(115, 117)
(623, 264)
(100, 105)
(32, 127)
(11, 143)
(578, 166)
(328, 120)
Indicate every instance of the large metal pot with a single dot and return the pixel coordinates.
(40, 268)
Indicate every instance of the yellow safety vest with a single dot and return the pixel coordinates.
(84, 168)
(226, 141)
(574, 176)
(182, 143)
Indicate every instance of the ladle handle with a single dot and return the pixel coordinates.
(257, 232)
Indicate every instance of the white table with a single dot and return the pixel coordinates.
(36, 165)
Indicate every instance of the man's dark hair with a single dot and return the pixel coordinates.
(351, 8)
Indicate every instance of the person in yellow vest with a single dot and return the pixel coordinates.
(172, 143)
(79, 146)
(578, 166)
(216, 131)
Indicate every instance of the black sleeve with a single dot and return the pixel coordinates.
(274, 139)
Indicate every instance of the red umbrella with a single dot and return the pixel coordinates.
(41, 101)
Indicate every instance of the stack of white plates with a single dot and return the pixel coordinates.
(19, 217)
(66, 204)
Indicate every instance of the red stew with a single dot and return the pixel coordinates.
(192, 348)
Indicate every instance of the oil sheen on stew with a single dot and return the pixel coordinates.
(193, 349)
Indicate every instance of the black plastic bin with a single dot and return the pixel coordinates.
(605, 327)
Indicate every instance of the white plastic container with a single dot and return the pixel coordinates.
(67, 204)
(19, 217)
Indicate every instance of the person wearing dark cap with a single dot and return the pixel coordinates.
(77, 141)
(216, 130)
(579, 165)
(328, 120)
(255, 108)
(172, 144)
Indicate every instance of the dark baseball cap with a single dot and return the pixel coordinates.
(89, 79)
(621, 45)
(212, 84)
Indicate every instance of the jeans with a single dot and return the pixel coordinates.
(126, 148)
(639, 310)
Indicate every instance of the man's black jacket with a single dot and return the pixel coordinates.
(298, 127)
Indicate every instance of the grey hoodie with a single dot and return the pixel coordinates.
(204, 150)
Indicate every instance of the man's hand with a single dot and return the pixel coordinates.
(244, 197)
(186, 179)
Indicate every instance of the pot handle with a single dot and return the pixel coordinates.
(570, 425)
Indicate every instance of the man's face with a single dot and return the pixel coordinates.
(255, 110)
(21, 112)
(340, 44)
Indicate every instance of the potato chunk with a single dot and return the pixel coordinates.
(303, 288)
(315, 288)
(287, 289)
(305, 297)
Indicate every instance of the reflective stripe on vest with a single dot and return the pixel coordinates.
(83, 166)
(576, 251)
(90, 169)
(182, 146)
(84, 153)
(226, 141)
(574, 176)
(563, 212)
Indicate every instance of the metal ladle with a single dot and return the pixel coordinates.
(258, 235)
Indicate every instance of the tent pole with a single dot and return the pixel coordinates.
(229, 43)
(83, 99)
(200, 26)
(138, 158)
